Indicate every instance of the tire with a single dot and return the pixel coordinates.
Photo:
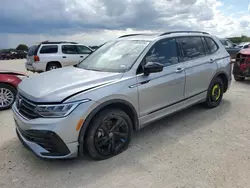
(10, 92)
(215, 93)
(113, 139)
(239, 79)
(52, 66)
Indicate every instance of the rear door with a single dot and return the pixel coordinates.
(31, 53)
(83, 52)
(199, 64)
(70, 55)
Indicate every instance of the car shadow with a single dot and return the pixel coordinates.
(153, 138)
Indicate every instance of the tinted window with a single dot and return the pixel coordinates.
(192, 47)
(49, 49)
(83, 50)
(32, 50)
(69, 49)
(223, 42)
(164, 52)
(229, 44)
(207, 51)
(211, 45)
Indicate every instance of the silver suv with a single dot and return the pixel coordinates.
(120, 88)
(53, 55)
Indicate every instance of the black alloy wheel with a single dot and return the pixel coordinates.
(109, 134)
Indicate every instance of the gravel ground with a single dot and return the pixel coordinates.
(195, 148)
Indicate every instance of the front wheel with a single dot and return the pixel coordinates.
(7, 96)
(215, 93)
(109, 134)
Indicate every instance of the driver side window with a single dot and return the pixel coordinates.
(163, 52)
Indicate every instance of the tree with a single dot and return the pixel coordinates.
(22, 47)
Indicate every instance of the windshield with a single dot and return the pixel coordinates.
(243, 44)
(117, 56)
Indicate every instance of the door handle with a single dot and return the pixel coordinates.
(64, 57)
(81, 56)
(179, 70)
(211, 61)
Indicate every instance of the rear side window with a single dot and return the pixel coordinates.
(192, 47)
(212, 46)
(49, 49)
(207, 51)
(83, 49)
(69, 49)
(32, 50)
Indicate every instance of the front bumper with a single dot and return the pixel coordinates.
(53, 138)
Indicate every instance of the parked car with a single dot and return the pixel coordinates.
(8, 84)
(231, 47)
(244, 45)
(241, 68)
(120, 88)
(6, 55)
(53, 55)
(20, 54)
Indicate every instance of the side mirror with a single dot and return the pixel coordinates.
(152, 67)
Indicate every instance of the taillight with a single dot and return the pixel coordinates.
(36, 58)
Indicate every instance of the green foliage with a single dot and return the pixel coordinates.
(7, 50)
(22, 47)
(238, 40)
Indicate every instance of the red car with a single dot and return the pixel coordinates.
(241, 68)
(8, 84)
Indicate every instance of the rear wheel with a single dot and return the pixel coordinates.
(238, 79)
(7, 96)
(109, 134)
(215, 93)
(52, 66)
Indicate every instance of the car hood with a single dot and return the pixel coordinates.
(245, 51)
(12, 72)
(56, 85)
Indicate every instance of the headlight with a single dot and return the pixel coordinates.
(21, 77)
(58, 110)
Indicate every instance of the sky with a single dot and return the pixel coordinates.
(93, 22)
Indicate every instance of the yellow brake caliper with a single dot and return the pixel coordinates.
(216, 95)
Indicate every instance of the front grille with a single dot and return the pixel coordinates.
(26, 107)
(49, 140)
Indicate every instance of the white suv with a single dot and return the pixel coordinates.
(52, 55)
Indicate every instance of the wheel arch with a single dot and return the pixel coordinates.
(224, 77)
(124, 105)
(51, 62)
(9, 83)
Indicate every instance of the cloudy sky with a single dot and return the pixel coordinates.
(93, 22)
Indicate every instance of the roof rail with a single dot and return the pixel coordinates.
(170, 32)
(135, 34)
(129, 35)
(59, 42)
